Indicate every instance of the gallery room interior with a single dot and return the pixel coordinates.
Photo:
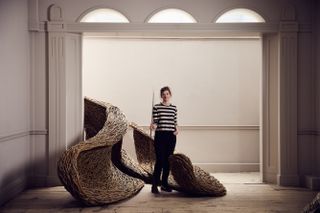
(81, 79)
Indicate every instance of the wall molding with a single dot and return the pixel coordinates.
(288, 180)
(38, 132)
(229, 167)
(13, 136)
(305, 27)
(214, 127)
(312, 182)
(313, 132)
(21, 134)
(78, 27)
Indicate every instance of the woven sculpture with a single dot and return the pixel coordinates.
(143, 169)
(183, 176)
(144, 147)
(86, 169)
(127, 165)
(98, 171)
(314, 206)
(192, 179)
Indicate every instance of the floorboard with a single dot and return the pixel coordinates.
(245, 194)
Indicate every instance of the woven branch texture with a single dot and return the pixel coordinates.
(313, 206)
(98, 171)
(86, 169)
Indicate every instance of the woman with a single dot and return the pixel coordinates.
(164, 123)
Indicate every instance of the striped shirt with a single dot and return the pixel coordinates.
(165, 117)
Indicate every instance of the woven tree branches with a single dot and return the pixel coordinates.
(86, 169)
(184, 177)
(98, 171)
(313, 206)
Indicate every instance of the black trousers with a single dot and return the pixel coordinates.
(164, 144)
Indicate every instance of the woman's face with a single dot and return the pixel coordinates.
(166, 96)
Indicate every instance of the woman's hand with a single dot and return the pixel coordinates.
(175, 132)
(153, 126)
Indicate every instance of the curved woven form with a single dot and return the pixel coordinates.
(98, 171)
(144, 146)
(143, 169)
(314, 206)
(127, 165)
(86, 169)
(192, 179)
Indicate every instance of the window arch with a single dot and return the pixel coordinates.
(172, 15)
(104, 15)
(240, 15)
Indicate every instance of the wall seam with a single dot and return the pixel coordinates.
(22, 134)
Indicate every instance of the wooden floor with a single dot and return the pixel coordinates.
(245, 194)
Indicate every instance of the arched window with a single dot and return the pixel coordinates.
(104, 15)
(172, 16)
(240, 15)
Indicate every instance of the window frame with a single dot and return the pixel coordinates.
(92, 10)
(253, 13)
(182, 12)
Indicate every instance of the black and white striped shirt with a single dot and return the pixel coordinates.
(165, 117)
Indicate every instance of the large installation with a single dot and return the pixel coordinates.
(98, 171)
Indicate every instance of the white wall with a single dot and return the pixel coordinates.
(215, 82)
(15, 97)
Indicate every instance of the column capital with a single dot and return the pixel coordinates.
(55, 21)
(288, 26)
(54, 26)
(55, 13)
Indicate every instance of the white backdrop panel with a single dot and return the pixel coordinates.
(214, 81)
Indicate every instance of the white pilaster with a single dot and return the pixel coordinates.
(57, 92)
(288, 152)
(269, 112)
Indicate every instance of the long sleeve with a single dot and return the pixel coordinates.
(175, 118)
(155, 115)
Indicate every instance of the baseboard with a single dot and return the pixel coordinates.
(288, 180)
(312, 182)
(229, 167)
(43, 181)
(12, 189)
(37, 181)
(53, 181)
(269, 177)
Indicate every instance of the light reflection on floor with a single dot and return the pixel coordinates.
(242, 177)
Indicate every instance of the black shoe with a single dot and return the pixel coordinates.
(154, 190)
(166, 188)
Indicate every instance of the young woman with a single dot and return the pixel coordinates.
(165, 125)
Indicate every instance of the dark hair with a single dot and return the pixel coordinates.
(163, 89)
